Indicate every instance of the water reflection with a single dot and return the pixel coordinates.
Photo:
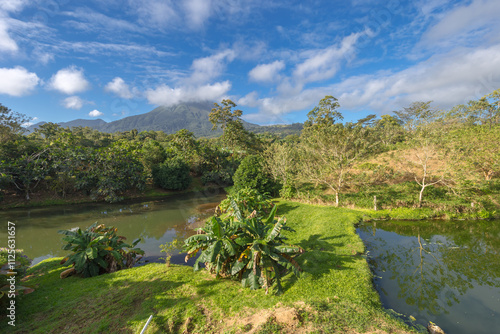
(155, 221)
(440, 271)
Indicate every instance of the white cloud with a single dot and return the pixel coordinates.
(12, 5)
(6, 42)
(17, 81)
(69, 81)
(95, 113)
(267, 72)
(197, 11)
(208, 68)
(324, 64)
(449, 79)
(167, 96)
(73, 102)
(474, 23)
(155, 13)
(120, 88)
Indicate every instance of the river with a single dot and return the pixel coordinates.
(155, 221)
(439, 271)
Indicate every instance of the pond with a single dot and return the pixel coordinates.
(444, 272)
(156, 221)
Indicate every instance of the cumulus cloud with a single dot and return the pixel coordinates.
(69, 81)
(95, 113)
(167, 96)
(267, 72)
(73, 102)
(208, 68)
(17, 81)
(120, 88)
(448, 80)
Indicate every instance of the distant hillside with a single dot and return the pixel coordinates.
(193, 117)
(91, 123)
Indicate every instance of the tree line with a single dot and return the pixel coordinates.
(418, 156)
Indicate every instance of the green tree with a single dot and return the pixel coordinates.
(329, 149)
(325, 113)
(10, 124)
(173, 174)
(234, 136)
(252, 174)
(152, 154)
(281, 161)
(425, 157)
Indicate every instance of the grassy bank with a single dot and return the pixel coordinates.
(333, 295)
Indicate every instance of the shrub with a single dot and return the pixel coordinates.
(250, 249)
(98, 250)
(251, 174)
(173, 174)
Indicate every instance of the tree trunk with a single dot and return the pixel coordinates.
(337, 198)
(421, 195)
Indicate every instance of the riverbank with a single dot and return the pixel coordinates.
(43, 198)
(335, 293)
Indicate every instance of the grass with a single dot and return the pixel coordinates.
(333, 295)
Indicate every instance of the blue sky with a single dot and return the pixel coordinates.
(65, 59)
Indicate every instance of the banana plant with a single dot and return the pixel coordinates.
(250, 249)
(98, 249)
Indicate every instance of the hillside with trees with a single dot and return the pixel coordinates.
(446, 161)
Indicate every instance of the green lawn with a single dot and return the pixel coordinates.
(334, 294)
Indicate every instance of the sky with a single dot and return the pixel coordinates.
(67, 59)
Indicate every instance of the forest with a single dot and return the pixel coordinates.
(445, 161)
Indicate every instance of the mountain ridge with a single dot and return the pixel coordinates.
(192, 117)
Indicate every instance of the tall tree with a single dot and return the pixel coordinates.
(10, 123)
(329, 149)
(424, 158)
(234, 136)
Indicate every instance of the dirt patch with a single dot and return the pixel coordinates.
(287, 318)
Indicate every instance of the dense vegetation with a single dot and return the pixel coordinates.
(444, 160)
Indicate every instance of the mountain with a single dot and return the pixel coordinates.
(192, 116)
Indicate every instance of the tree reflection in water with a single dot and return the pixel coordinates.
(434, 263)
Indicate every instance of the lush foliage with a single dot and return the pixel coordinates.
(247, 200)
(172, 175)
(98, 250)
(249, 249)
(252, 174)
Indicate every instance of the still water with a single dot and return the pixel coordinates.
(444, 272)
(156, 221)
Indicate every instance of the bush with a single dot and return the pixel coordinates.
(251, 174)
(98, 250)
(173, 174)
